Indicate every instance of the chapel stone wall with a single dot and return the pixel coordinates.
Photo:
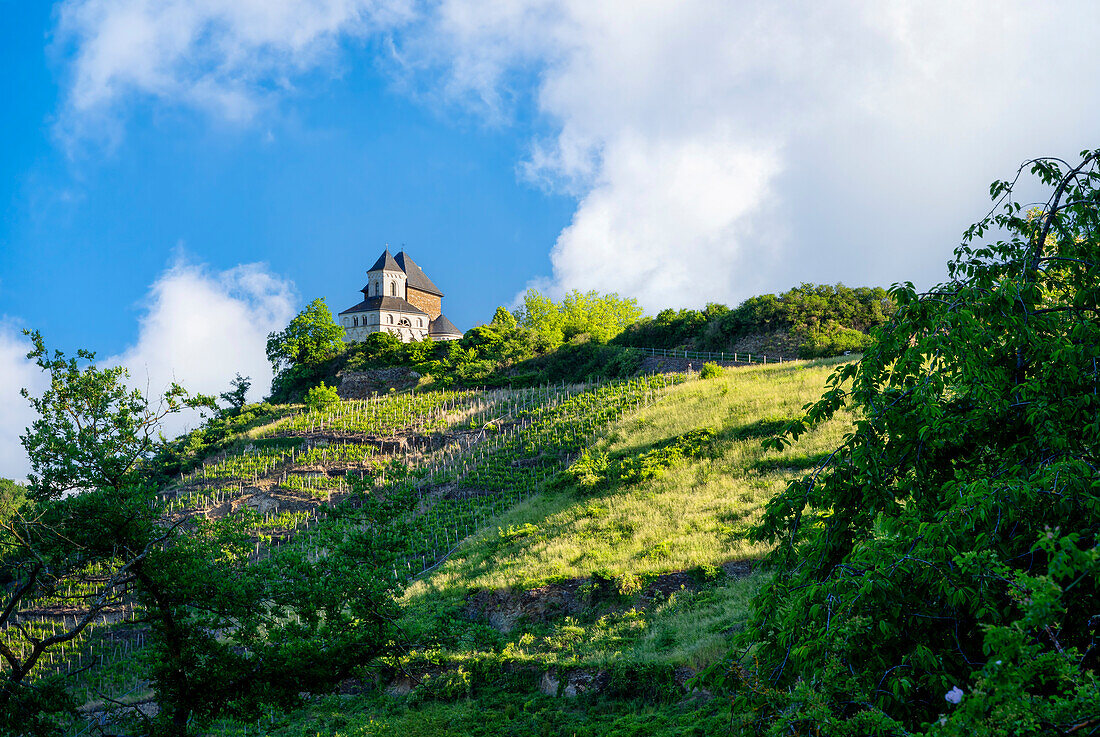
(426, 301)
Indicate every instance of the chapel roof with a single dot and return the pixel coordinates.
(385, 262)
(392, 304)
(442, 326)
(417, 279)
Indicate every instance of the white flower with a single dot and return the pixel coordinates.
(954, 696)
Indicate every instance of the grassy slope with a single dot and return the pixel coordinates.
(693, 516)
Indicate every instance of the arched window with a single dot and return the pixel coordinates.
(419, 323)
(355, 321)
(390, 319)
(393, 289)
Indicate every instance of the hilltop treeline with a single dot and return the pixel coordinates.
(540, 342)
(583, 336)
(815, 320)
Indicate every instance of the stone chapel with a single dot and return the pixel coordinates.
(400, 299)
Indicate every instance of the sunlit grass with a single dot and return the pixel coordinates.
(694, 514)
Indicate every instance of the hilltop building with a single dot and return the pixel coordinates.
(400, 299)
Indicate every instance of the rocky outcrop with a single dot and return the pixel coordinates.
(364, 384)
(504, 608)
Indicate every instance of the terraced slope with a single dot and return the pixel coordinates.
(586, 608)
(571, 547)
(468, 456)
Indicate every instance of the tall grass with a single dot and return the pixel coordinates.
(696, 513)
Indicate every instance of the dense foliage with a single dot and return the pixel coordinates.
(229, 630)
(321, 397)
(298, 351)
(939, 572)
(86, 525)
(237, 394)
(821, 320)
(579, 338)
(600, 316)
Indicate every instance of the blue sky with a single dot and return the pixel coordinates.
(315, 191)
(179, 177)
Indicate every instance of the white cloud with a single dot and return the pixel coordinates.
(201, 328)
(721, 149)
(198, 328)
(717, 149)
(666, 219)
(16, 373)
(224, 56)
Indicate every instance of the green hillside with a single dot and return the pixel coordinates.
(562, 545)
(596, 598)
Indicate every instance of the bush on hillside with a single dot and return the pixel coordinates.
(942, 574)
(600, 316)
(825, 320)
(833, 340)
(321, 397)
(710, 371)
(378, 349)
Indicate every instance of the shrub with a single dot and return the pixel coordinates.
(594, 470)
(321, 397)
(813, 312)
(710, 371)
(833, 340)
(450, 685)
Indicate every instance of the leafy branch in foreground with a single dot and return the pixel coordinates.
(87, 525)
(939, 572)
(230, 627)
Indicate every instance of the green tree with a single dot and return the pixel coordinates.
(87, 525)
(381, 347)
(542, 317)
(311, 338)
(233, 634)
(237, 393)
(321, 397)
(502, 318)
(944, 561)
(420, 350)
(601, 316)
(299, 353)
(13, 497)
(229, 631)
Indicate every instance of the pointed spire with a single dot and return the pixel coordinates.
(385, 262)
